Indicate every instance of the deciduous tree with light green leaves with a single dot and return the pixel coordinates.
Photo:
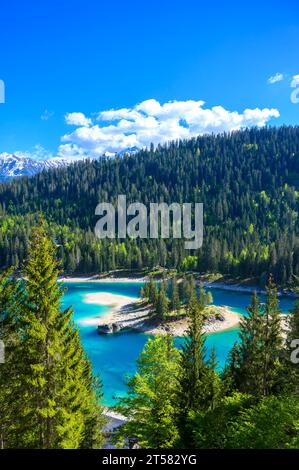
(151, 402)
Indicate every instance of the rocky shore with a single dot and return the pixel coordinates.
(135, 316)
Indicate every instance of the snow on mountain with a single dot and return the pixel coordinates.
(13, 165)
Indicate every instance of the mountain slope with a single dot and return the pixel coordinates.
(13, 165)
(248, 182)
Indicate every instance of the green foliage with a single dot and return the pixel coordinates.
(175, 297)
(151, 401)
(271, 424)
(245, 179)
(199, 385)
(256, 363)
(239, 422)
(212, 428)
(58, 397)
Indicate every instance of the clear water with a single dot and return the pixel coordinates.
(114, 356)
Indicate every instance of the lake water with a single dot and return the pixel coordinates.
(114, 356)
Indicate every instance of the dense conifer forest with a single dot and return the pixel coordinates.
(247, 180)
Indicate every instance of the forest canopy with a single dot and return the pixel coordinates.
(247, 180)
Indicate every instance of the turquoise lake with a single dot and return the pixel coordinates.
(114, 356)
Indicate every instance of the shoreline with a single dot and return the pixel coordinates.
(128, 313)
(117, 303)
(242, 288)
(98, 279)
(237, 287)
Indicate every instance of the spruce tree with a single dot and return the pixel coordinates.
(11, 402)
(58, 387)
(272, 366)
(255, 363)
(162, 302)
(291, 359)
(152, 292)
(175, 299)
(195, 376)
(246, 361)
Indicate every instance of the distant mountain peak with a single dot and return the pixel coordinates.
(12, 166)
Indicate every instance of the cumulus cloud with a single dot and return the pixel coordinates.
(77, 119)
(150, 122)
(275, 78)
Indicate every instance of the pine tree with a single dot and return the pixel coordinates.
(175, 299)
(272, 343)
(194, 379)
(246, 363)
(291, 359)
(152, 292)
(11, 402)
(215, 387)
(162, 303)
(255, 364)
(58, 388)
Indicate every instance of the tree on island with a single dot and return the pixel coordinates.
(175, 304)
(162, 302)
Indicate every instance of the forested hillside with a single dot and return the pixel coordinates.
(247, 180)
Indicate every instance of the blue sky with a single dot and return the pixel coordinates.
(90, 56)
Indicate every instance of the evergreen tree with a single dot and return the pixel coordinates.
(11, 402)
(272, 366)
(152, 292)
(292, 356)
(175, 299)
(246, 358)
(57, 384)
(255, 363)
(195, 376)
(162, 303)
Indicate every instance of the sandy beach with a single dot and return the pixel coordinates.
(117, 303)
(97, 278)
(131, 313)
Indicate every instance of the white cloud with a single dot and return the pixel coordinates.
(77, 119)
(151, 122)
(295, 81)
(37, 152)
(275, 78)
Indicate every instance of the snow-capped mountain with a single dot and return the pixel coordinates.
(13, 165)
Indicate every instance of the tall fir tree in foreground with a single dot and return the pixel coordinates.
(151, 402)
(196, 376)
(273, 343)
(60, 396)
(11, 369)
(245, 363)
(292, 350)
(255, 364)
